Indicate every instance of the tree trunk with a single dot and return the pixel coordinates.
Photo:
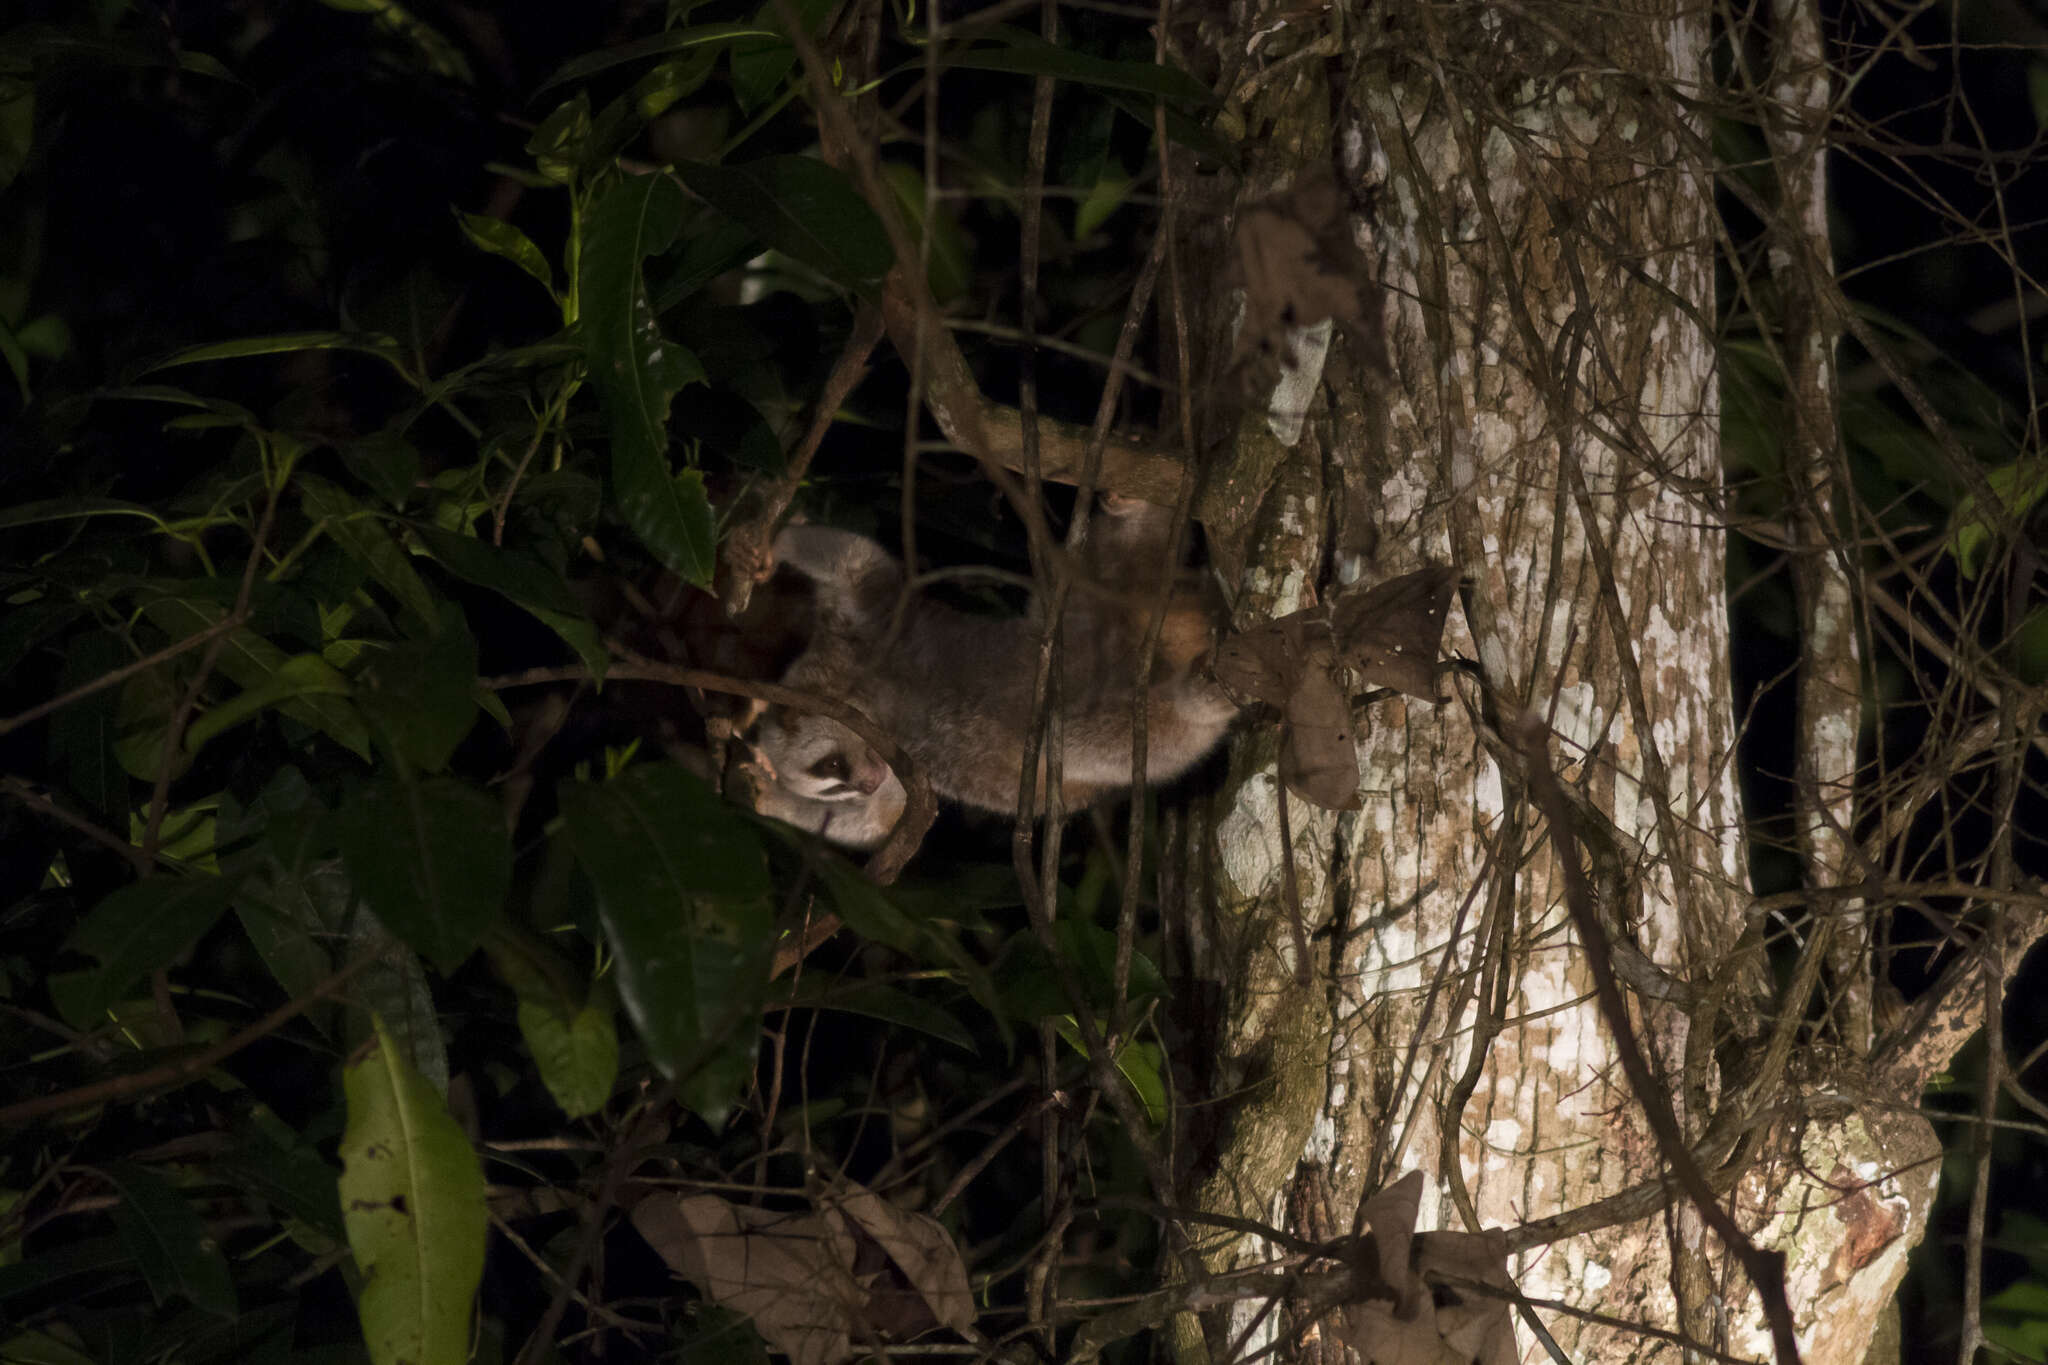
(1539, 207)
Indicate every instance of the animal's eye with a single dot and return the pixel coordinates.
(831, 768)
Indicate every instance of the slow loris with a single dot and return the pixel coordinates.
(955, 689)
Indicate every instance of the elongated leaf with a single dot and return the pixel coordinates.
(73, 509)
(524, 581)
(758, 67)
(355, 528)
(387, 462)
(500, 238)
(168, 1240)
(1139, 1063)
(250, 661)
(133, 932)
(412, 1198)
(662, 44)
(1026, 54)
(432, 860)
(801, 207)
(286, 343)
(637, 371)
(421, 695)
(281, 1168)
(682, 890)
(82, 734)
(302, 675)
(876, 1000)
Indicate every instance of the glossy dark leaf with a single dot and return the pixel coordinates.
(682, 890)
(759, 65)
(251, 662)
(1026, 54)
(636, 371)
(82, 734)
(357, 529)
(420, 695)
(387, 462)
(661, 45)
(168, 1240)
(875, 1000)
(801, 207)
(432, 860)
(523, 580)
(133, 932)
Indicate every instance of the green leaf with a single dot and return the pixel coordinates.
(758, 66)
(661, 45)
(877, 1000)
(2019, 486)
(1031, 984)
(683, 893)
(1026, 54)
(950, 271)
(292, 896)
(281, 1168)
(567, 1027)
(302, 675)
(500, 238)
(1139, 1063)
(712, 247)
(524, 581)
(40, 1348)
(2030, 648)
(421, 695)
(356, 529)
(1192, 134)
(287, 343)
(133, 932)
(441, 57)
(82, 734)
(802, 208)
(432, 860)
(578, 1054)
(1111, 188)
(412, 1198)
(557, 145)
(636, 371)
(101, 1257)
(387, 462)
(250, 661)
(168, 1240)
(73, 509)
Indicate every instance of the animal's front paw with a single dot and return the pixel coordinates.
(750, 554)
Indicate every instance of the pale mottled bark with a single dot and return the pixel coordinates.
(1545, 230)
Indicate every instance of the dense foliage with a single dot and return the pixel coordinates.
(375, 393)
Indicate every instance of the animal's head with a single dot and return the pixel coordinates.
(819, 759)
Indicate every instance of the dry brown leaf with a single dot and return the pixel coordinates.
(1306, 663)
(1391, 633)
(1299, 267)
(1480, 1326)
(1435, 1320)
(1319, 754)
(816, 1282)
(927, 1260)
(792, 1273)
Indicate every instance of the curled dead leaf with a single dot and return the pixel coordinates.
(815, 1282)
(1300, 266)
(1308, 664)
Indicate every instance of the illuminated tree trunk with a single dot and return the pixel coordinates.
(1540, 210)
